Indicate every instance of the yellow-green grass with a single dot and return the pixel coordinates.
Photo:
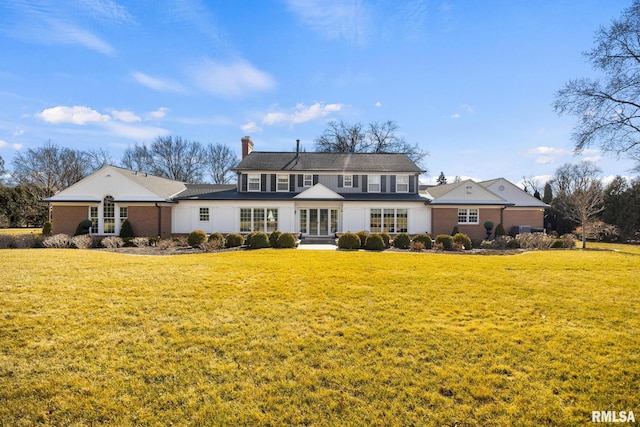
(286, 337)
(19, 231)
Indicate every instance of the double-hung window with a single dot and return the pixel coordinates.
(388, 220)
(468, 216)
(308, 180)
(283, 183)
(374, 184)
(347, 181)
(402, 184)
(204, 214)
(253, 182)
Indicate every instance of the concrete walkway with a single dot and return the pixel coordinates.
(317, 247)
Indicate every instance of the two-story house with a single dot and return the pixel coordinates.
(313, 194)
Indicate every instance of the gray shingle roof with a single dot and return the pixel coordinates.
(327, 162)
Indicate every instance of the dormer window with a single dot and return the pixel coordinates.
(402, 184)
(374, 184)
(253, 182)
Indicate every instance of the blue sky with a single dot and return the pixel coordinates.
(471, 82)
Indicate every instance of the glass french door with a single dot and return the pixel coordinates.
(318, 222)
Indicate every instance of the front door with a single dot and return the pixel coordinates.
(318, 222)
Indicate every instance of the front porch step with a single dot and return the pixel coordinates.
(318, 241)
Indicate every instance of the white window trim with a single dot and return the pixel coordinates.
(307, 180)
(395, 219)
(278, 182)
(254, 176)
(349, 183)
(398, 184)
(467, 215)
(369, 183)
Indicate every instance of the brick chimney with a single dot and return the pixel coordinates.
(247, 146)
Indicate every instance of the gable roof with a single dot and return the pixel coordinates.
(318, 192)
(513, 193)
(466, 192)
(129, 185)
(327, 162)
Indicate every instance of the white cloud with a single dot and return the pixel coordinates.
(18, 132)
(160, 85)
(107, 10)
(251, 127)
(591, 155)
(15, 146)
(3, 143)
(377, 104)
(335, 19)
(546, 155)
(76, 115)
(158, 114)
(454, 116)
(230, 80)
(468, 108)
(301, 114)
(136, 132)
(125, 116)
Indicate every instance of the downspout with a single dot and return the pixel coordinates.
(159, 220)
(502, 216)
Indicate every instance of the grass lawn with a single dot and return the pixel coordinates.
(286, 337)
(19, 231)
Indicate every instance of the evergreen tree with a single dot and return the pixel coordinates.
(441, 179)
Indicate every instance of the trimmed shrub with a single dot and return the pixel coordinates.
(568, 241)
(217, 236)
(386, 238)
(374, 242)
(286, 241)
(233, 240)
(83, 241)
(273, 239)
(84, 227)
(362, 235)
(513, 243)
(349, 241)
(259, 240)
(212, 245)
(402, 241)
(445, 241)
(425, 239)
(416, 246)
(57, 241)
(249, 238)
(455, 230)
(126, 231)
(140, 242)
(46, 229)
(488, 225)
(112, 242)
(196, 238)
(500, 231)
(463, 240)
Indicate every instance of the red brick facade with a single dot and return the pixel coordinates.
(65, 219)
(144, 220)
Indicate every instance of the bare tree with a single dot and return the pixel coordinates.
(2, 171)
(578, 193)
(220, 160)
(608, 110)
(138, 158)
(99, 158)
(50, 167)
(376, 137)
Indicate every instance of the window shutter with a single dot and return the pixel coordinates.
(273, 182)
(412, 184)
(243, 180)
(354, 181)
(364, 184)
(383, 183)
(292, 182)
(300, 181)
(340, 181)
(315, 179)
(263, 182)
(392, 184)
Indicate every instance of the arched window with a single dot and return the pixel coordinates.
(108, 215)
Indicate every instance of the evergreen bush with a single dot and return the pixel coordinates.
(217, 236)
(196, 238)
(463, 239)
(234, 240)
(362, 235)
(425, 239)
(445, 241)
(259, 240)
(455, 230)
(286, 241)
(126, 231)
(402, 241)
(499, 231)
(374, 242)
(273, 239)
(84, 227)
(349, 241)
(386, 238)
(47, 228)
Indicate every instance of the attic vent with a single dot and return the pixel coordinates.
(469, 189)
(501, 188)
